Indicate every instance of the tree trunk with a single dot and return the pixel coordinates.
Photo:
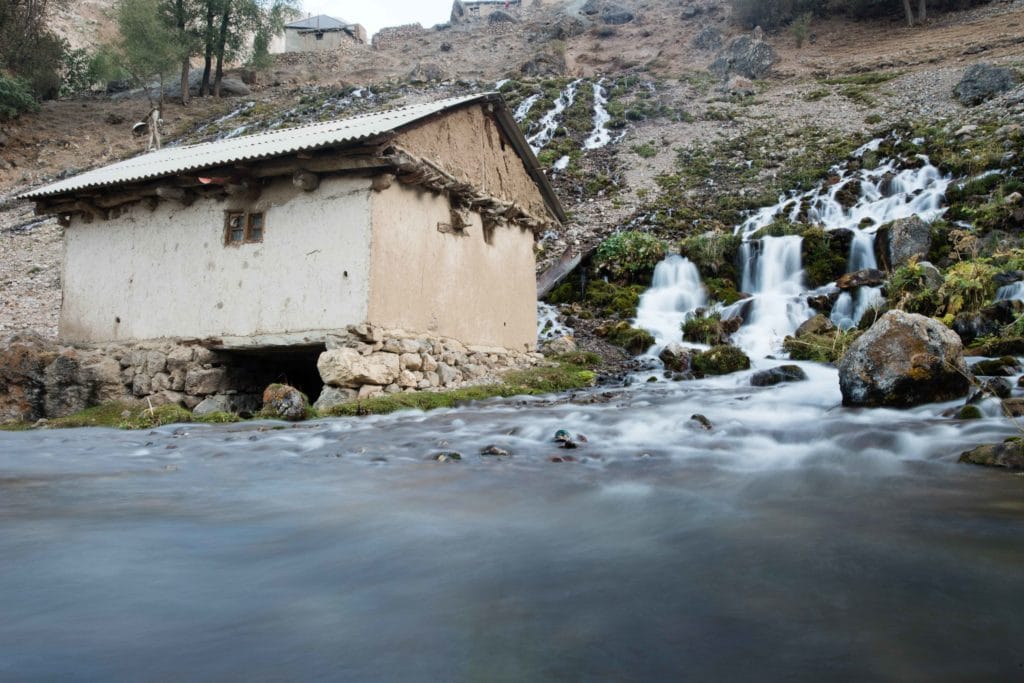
(910, 12)
(204, 89)
(183, 44)
(922, 11)
(222, 41)
(185, 66)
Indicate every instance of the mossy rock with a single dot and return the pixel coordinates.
(604, 299)
(1008, 455)
(721, 360)
(634, 340)
(824, 258)
(969, 413)
(710, 329)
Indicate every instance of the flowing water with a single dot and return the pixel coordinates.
(772, 269)
(675, 291)
(600, 137)
(549, 123)
(794, 541)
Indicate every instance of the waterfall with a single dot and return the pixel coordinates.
(549, 122)
(524, 108)
(850, 308)
(600, 136)
(676, 290)
(548, 325)
(773, 276)
(1011, 292)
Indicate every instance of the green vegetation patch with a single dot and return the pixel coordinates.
(823, 348)
(567, 374)
(124, 415)
(630, 256)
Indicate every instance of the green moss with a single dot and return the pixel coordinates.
(603, 299)
(969, 413)
(714, 253)
(645, 151)
(822, 262)
(708, 329)
(123, 415)
(634, 340)
(720, 360)
(722, 290)
(563, 376)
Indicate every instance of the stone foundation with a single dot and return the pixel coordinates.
(43, 379)
(368, 361)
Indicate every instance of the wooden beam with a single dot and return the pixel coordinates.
(305, 181)
(176, 194)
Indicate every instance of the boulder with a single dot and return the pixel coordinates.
(973, 324)
(983, 81)
(229, 87)
(904, 359)
(868, 277)
(567, 27)
(331, 397)
(778, 375)
(708, 39)
(347, 368)
(591, 7)
(988, 387)
(819, 324)
(499, 17)
(1008, 455)
(676, 357)
(1005, 366)
(616, 15)
(23, 361)
(205, 381)
(68, 385)
(426, 73)
(748, 56)
(898, 242)
(560, 346)
(931, 275)
(544, 64)
(284, 402)
(227, 403)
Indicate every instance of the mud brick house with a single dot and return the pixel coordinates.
(421, 219)
(321, 33)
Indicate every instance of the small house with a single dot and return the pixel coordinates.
(468, 10)
(421, 218)
(321, 33)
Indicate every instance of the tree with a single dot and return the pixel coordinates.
(28, 49)
(922, 11)
(147, 47)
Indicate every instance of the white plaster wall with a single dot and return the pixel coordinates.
(307, 42)
(167, 273)
(456, 286)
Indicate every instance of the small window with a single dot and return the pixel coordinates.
(241, 227)
(319, 35)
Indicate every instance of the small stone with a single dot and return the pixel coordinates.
(569, 445)
(701, 420)
(448, 456)
(494, 450)
(562, 435)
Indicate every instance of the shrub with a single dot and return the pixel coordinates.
(822, 348)
(801, 28)
(908, 291)
(714, 253)
(630, 256)
(968, 286)
(15, 98)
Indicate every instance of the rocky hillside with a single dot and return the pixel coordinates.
(703, 121)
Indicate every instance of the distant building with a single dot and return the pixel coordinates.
(468, 10)
(321, 33)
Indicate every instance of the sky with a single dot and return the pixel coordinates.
(377, 14)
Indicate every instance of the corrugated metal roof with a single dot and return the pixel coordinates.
(176, 160)
(319, 21)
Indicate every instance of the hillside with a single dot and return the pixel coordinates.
(672, 120)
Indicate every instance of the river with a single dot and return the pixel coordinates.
(796, 540)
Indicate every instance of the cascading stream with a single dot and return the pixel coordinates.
(550, 121)
(676, 291)
(859, 201)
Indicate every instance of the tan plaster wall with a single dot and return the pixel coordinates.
(451, 285)
(167, 273)
(468, 144)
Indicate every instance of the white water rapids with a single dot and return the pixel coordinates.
(549, 123)
(772, 271)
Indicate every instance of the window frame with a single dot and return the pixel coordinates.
(249, 218)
